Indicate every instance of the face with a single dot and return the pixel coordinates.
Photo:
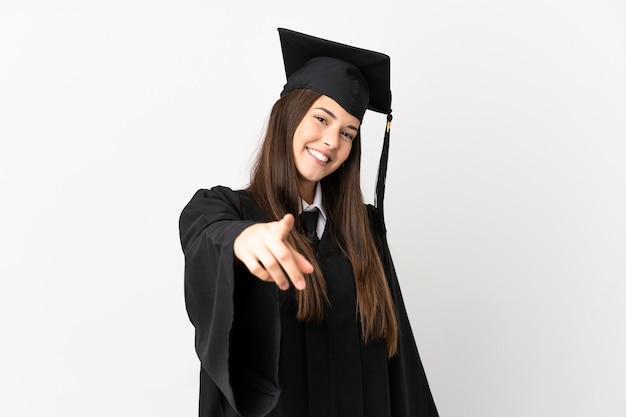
(322, 142)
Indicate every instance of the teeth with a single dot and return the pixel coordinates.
(318, 155)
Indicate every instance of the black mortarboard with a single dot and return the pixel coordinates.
(358, 79)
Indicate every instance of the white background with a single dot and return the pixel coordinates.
(505, 199)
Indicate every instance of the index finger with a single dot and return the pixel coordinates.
(283, 226)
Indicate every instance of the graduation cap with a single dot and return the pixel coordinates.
(356, 78)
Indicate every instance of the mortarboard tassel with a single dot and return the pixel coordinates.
(382, 172)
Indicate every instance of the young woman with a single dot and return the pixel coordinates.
(295, 317)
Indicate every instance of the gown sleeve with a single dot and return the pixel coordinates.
(237, 330)
(409, 389)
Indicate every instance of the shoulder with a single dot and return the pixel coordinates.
(220, 200)
(219, 208)
(217, 203)
(218, 192)
(218, 197)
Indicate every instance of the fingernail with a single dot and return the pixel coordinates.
(300, 284)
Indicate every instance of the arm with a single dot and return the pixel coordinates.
(237, 327)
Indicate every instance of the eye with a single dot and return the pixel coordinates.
(348, 136)
(321, 119)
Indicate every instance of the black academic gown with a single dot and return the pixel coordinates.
(258, 360)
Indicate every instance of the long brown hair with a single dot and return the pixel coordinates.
(274, 186)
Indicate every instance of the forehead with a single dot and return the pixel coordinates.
(339, 112)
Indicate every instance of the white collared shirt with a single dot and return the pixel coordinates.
(317, 202)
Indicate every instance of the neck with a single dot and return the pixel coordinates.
(307, 192)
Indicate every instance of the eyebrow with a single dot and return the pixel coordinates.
(332, 116)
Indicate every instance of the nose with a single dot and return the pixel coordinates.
(331, 139)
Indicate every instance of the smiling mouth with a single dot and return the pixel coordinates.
(317, 155)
